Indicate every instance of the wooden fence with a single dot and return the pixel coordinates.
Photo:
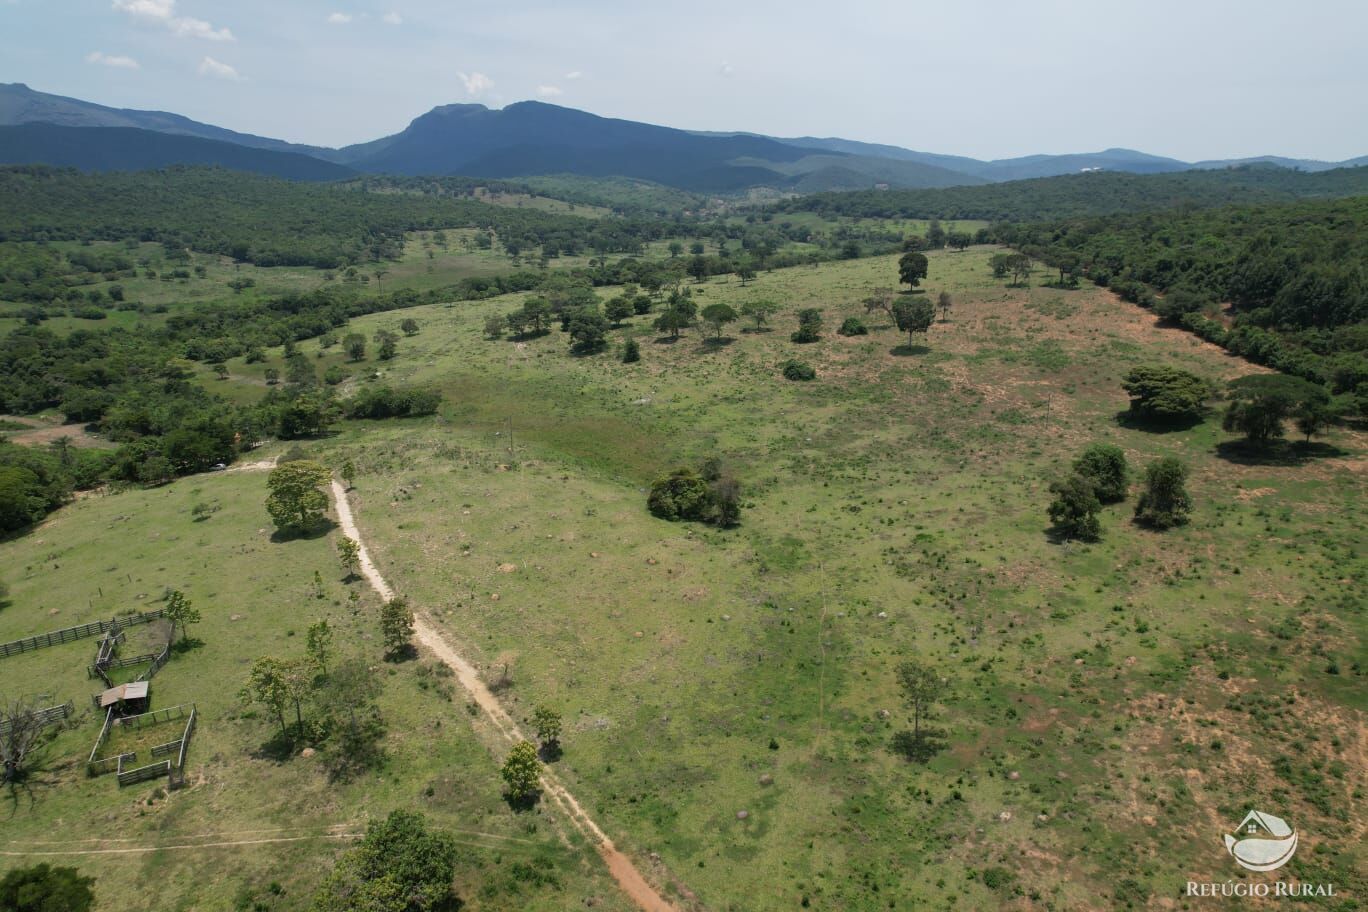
(71, 634)
(119, 764)
(44, 716)
(142, 773)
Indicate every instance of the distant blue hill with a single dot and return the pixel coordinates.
(533, 138)
(131, 149)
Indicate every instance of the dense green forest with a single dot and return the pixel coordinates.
(1081, 195)
(1294, 277)
(272, 222)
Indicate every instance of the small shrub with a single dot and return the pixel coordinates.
(798, 370)
(853, 326)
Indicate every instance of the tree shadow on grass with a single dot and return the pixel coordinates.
(1277, 453)
(918, 748)
(186, 644)
(406, 653)
(909, 351)
(750, 330)
(550, 752)
(294, 533)
(667, 340)
(1137, 422)
(34, 778)
(523, 803)
(713, 343)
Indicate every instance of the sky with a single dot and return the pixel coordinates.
(986, 78)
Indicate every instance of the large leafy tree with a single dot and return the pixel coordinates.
(1166, 393)
(402, 865)
(1075, 507)
(1105, 466)
(912, 268)
(913, 316)
(297, 500)
(522, 772)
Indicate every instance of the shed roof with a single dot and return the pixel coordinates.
(136, 690)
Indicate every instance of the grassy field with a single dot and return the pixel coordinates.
(212, 846)
(1114, 708)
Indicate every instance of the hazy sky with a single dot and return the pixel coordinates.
(988, 78)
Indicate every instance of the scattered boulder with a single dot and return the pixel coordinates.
(1014, 775)
(1004, 816)
(766, 779)
(307, 752)
(742, 815)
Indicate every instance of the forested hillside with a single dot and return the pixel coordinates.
(1293, 277)
(273, 222)
(1095, 193)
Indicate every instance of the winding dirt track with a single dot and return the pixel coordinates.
(624, 872)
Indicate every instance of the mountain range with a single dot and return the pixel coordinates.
(532, 138)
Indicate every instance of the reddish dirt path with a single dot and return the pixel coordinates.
(619, 865)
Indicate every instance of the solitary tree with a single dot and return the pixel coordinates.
(296, 499)
(1166, 393)
(912, 268)
(944, 302)
(349, 473)
(494, 326)
(180, 612)
(631, 352)
(759, 311)
(266, 687)
(409, 326)
(355, 346)
(618, 309)
(548, 724)
(913, 316)
(922, 688)
(718, 316)
(809, 325)
(1165, 502)
(396, 626)
(20, 732)
(318, 644)
(522, 772)
(1075, 507)
(400, 866)
(881, 301)
(389, 344)
(588, 329)
(349, 553)
(1105, 466)
(1020, 266)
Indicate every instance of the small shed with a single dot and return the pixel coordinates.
(126, 699)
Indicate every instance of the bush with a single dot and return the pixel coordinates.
(853, 326)
(384, 402)
(1165, 502)
(1075, 507)
(1105, 466)
(681, 495)
(798, 370)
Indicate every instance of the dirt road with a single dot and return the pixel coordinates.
(623, 870)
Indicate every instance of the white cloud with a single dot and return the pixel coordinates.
(726, 70)
(339, 18)
(219, 70)
(475, 83)
(393, 18)
(147, 9)
(164, 12)
(118, 61)
(573, 74)
(545, 91)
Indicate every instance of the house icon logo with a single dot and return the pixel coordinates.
(1262, 842)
